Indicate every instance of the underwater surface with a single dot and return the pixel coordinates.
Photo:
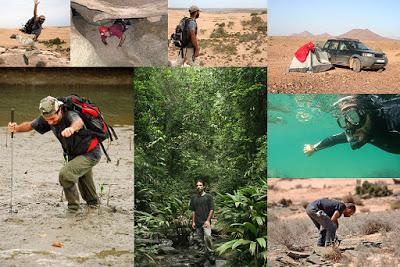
(295, 120)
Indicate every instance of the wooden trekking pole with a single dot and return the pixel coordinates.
(12, 162)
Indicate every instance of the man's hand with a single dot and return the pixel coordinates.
(197, 53)
(36, 2)
(308, 149)
(193, 225)
(12, 127)
(67, 132)
(207, 224)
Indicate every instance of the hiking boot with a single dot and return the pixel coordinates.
(211, 259)
(70, 213)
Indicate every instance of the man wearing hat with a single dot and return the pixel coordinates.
(80, 154)
(34, 25)
(191, 51)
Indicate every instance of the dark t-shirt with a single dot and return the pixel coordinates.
(329, 206)
(201, 205)
(73, 146)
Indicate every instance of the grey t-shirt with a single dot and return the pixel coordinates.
(73, 146)
(192, 26)
(201, 205)
(329, 206)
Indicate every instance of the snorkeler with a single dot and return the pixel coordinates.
(365, 119)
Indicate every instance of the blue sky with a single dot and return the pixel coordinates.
(218, 4)
(286, 17)
(14, 13)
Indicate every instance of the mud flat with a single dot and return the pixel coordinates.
(99, 237)
(339, 80)
(241, 45)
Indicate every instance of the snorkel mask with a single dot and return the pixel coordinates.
(351, 118)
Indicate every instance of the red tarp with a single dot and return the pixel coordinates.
(302, 52)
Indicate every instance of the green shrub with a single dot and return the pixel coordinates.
(367, 189)
(243, 214)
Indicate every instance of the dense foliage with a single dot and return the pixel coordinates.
(196, 123)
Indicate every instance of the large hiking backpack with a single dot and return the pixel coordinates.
(92, 117)
(181, 37)
(28, 27)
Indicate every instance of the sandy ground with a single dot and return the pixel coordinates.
(56, 55)
(102, 237)
(356, 248)
(339, 80)
(250, 53)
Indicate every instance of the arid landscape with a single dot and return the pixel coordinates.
(226, 38)
(38, 233)
(371, 237)
(54, 46)
(281, 50)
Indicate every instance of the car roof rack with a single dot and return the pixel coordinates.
(344, 39)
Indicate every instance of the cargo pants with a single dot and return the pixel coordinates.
(205, 235)
(327, 229)
(185, 55)
(79, 171)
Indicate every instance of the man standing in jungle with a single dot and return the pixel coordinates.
(202, 206)
(81, 150)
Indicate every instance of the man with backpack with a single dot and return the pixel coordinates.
(81, 148)
(34, 25)
(117, 29)
(185, 37)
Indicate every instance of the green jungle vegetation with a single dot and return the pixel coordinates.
(201, 123)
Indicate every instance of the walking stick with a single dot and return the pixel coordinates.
(12, 163)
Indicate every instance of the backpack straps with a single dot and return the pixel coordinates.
(105, 153)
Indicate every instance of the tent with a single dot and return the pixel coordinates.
(309, 58)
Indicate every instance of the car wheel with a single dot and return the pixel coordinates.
(356, 66)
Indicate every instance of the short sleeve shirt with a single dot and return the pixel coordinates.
(192, 26)
(201, 205)
(329, 206)
(74, 145)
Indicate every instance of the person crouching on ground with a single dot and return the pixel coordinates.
(325, 213)
(81, 152)
(117, 29)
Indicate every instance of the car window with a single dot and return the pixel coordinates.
(327, 44)
(343, 46)
(361, 46)
(334, 45)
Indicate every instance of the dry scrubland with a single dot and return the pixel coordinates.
(226, 39)
(339, 80)
(371, 237)
(54, 44)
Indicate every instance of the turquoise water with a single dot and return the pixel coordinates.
(295, 120)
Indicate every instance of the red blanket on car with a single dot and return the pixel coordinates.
(302, 52)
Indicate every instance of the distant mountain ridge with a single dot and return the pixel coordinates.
(362, 34)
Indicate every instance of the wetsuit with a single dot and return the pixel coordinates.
(384, 132)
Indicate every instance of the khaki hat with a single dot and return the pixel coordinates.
(194, 9)
(49, 106)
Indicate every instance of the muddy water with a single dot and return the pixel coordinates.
(115, 102)
(97, 237)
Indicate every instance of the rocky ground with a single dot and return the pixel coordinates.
(370, 237)
(39, 234)
(243, 41)
(52, 53)
(339, 80)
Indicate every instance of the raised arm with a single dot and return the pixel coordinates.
(36, 2)
(327, 142)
